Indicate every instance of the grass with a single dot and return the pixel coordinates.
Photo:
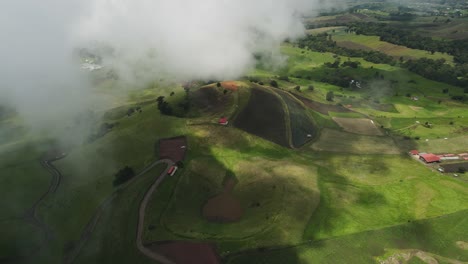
(338, 141)
(268, 198)
(435, 235)
(20, 239)
(88, 170)
(115, 233)
(264, 116)
(456, 144)
(358, 202)
(21, 169)
(386, 191)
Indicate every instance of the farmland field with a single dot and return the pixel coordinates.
(264, 116)
(363, 42)
(358, 125)
(338, 141)
(302, 127)
(310, 168)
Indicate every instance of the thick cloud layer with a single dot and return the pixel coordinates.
(179, 38)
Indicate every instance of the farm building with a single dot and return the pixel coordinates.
(172, 170)
(429, 158)
(223, 121)
(414, 152)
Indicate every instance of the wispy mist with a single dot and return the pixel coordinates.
(182, 39)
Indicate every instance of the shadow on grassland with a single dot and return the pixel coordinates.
(337, 194)
(436, 236)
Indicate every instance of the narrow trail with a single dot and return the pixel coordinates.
(90, 226)
(31, 213)
(141, 218)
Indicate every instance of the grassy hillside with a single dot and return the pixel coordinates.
(319, 167)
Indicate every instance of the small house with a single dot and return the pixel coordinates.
(223, 121)
(414, 152)
(172, 170)
(429, 158)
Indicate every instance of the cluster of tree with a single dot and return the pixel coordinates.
(164, 106)
(337, 77)
(324, 43)
(438, 70)
(406, 37)
(123, 175)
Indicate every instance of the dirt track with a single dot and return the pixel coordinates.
(141, 217)
(89, 228)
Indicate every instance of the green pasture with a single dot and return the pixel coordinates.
(363, 192)
(436, 236)
(115, 232)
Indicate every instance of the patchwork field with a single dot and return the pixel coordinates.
(358, 125)
(264, 116)
(343, 142)
(302, 127)
(353, 41)
(293, 178)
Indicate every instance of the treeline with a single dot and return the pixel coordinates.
(324, 43)
(439, 70)
(406, 37)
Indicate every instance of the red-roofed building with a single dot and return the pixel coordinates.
(223, 121)
(414, 152)
(429, 158)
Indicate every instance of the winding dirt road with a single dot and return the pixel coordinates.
(141, 216)
(89, 228)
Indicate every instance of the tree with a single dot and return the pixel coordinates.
(218, 84)
(274, 83)
(330, 96)
(123, 175)
(311, 88)
(297, 88)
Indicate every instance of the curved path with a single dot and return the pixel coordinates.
(89, 228)
(31, 214)
(141, 217)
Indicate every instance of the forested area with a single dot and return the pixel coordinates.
(406, 37)
(324, 43)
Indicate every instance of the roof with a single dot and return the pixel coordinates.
(414, 152)
(430, 157)
(223, 120)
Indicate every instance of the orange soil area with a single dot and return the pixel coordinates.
(229, 85)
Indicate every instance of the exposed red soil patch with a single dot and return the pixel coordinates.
(184, 252)
(224, 207)
(229, 85)
(173, 148)
(321, 107)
